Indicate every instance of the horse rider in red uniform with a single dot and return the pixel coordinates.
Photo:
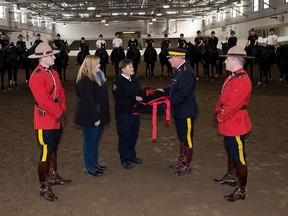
(234, 122)
(49, 112)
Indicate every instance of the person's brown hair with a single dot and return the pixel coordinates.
(123, 64)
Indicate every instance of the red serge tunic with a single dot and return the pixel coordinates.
(46, 87)
(232, 117)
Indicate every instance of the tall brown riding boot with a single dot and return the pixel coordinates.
(179, 163)
(186, 167)
(230, 177)
(240, 191)
(54, 178)
(45, 189)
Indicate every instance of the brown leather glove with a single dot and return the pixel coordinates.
(62, 117)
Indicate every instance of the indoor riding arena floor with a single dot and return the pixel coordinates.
(150, 189)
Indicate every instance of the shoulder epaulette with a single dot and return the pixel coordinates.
(240, 75)
(37, 70)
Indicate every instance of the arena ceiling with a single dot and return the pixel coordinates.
(70, 11)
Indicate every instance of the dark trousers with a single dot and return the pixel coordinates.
(48, 140)
(128, 129)
(235, 146)
(185, 131)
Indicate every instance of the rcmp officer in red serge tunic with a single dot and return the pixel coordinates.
(49, 111)
(184, 106)
(234, 122)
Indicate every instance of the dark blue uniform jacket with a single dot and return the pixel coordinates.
(181, 91)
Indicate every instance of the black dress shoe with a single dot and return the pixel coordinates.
(94, 173)
(100, 168)
(136, 161)
(126, 165)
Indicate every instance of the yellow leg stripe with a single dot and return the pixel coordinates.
(41, 141)
(189, 126)
(240, 149)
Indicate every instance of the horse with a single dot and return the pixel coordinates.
(223, 51)
(265, 57)
(282, 62)
(117, 55)
(2, 69)
(61, 61)
(32, 62)
(198, 58)
(250, 51)
(11, 63)
(22, 60)
(165, 61)
(102, 53)
(82, 54)
(150, 57)
(134, 54)
(210, 57)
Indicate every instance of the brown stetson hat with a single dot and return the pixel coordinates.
(236, 51)
(43, 50)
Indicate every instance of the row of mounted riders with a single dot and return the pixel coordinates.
(12, 58)
(265, 57)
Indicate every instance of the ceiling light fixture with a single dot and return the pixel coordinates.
(98, 15)
(91, 8)
(103, 21)
(159, 14)
(150, 22)
(154, 19)
(128, 32)
(166, 6)
(106, 24)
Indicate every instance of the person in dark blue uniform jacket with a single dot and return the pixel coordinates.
(92, 111)
(127, 92)
(184, 106)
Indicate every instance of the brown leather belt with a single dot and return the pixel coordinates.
(243, 108)
(56, 100)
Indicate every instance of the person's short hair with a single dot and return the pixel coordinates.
(165, 35)
(213, 32)
(271, 29)
(38, 35)
(252, 30)
(123, 64)
(20, 36)
(232, 32)
(58, 35)
(117, 33)
(181, 35)
(240, 59)
(82, 38)
(149, 35)
(198, 32)
(100, 35)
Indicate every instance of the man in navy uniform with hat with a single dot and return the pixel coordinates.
(184, 106)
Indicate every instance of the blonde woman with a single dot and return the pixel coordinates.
(92, 111)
